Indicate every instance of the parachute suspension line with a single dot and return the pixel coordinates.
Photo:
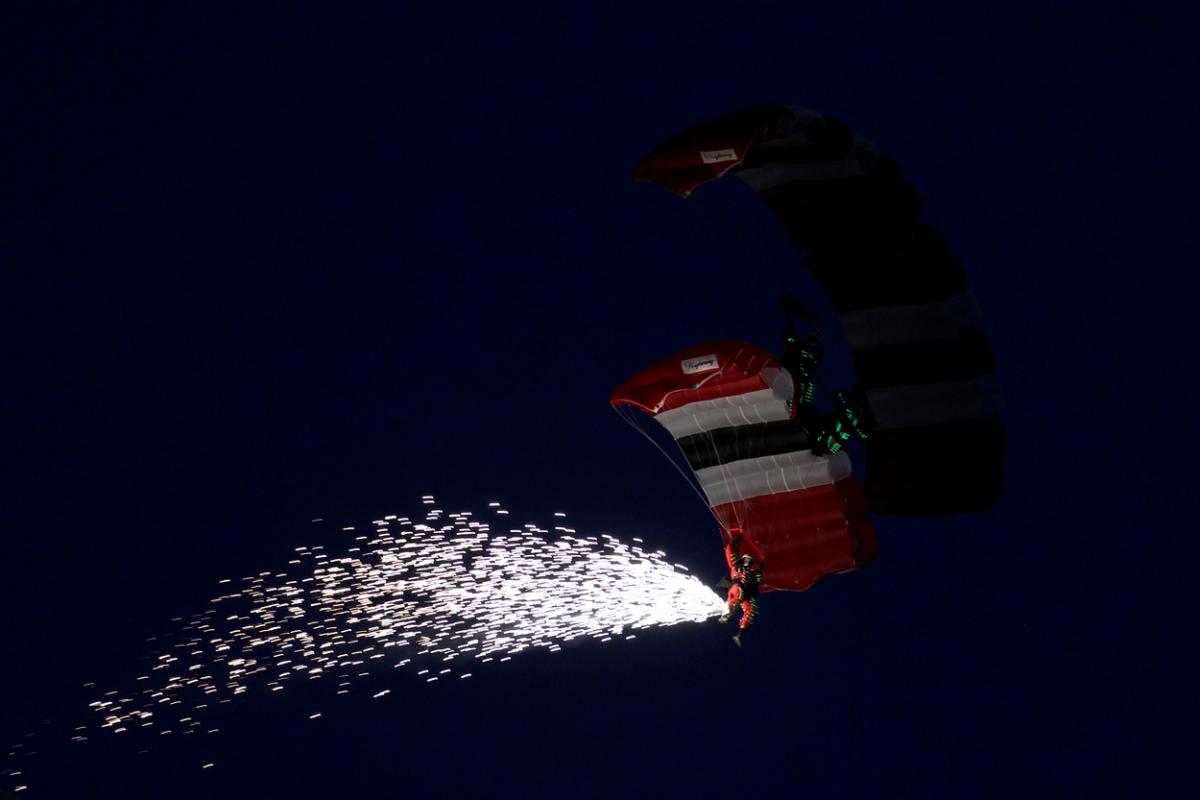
(727, 479)
(708, 434)
(741, 511)
(634, 419)
(637, 420)
(729, 482)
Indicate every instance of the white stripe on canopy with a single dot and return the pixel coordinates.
(765, 405)
(786, 472)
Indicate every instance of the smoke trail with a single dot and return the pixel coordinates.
(441, 595)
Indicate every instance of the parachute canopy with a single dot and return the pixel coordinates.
(922, 359)
(726, 405)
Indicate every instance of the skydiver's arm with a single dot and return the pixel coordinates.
(733, 550)
(752, 549)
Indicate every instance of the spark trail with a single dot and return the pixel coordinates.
(439, 595)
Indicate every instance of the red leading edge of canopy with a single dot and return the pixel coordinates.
(668, 384)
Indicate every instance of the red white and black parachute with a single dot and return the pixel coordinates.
(922, 360)
(726, 405)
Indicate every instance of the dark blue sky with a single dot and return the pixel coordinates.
(263, 267)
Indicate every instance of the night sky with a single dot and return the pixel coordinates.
(261, 267)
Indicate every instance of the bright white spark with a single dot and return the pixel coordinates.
(445, 593)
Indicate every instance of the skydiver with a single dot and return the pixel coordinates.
(801, 357)
(746, 563)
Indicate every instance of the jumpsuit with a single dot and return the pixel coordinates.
(746, 580)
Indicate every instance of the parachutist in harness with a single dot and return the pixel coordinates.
(801, 357)
(746, 574)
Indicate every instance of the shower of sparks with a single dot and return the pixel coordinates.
(440, 595)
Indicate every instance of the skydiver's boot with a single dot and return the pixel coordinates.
(737, 638)
(724, 618)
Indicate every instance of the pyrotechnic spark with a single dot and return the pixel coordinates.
(445, 593)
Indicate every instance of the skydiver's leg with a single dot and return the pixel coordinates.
(856, 398)
(749, 612)
(731, 601)
(846, 423)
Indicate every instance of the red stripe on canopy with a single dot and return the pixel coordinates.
(666, 385)
(806, 534)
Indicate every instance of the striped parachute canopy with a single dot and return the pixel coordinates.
(902, 299)
(726, 405)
